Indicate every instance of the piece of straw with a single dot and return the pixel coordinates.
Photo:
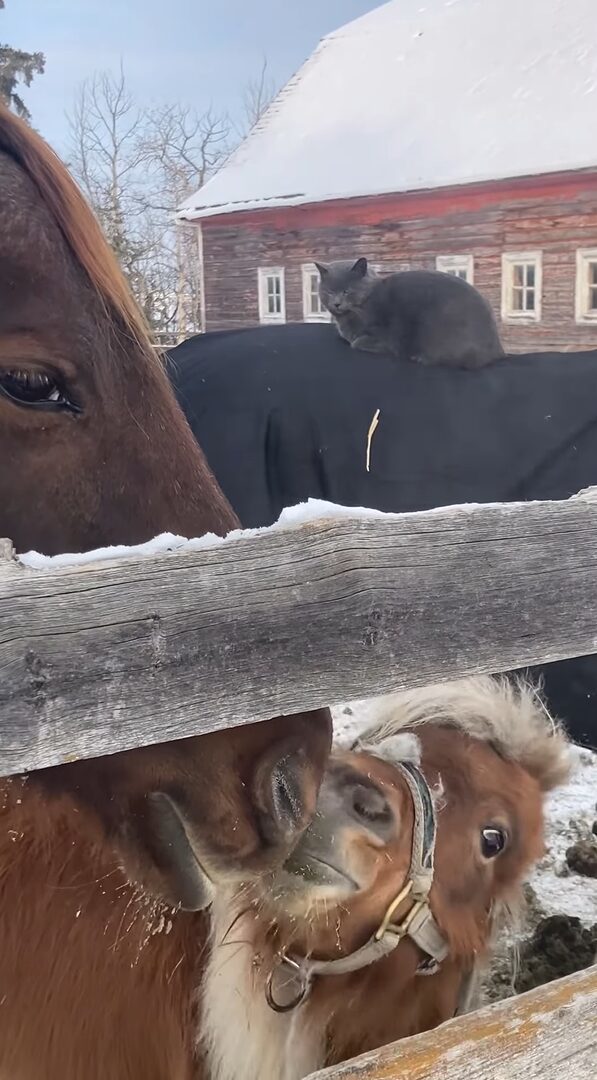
(370, 434)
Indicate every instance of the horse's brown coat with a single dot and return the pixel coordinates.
(86, 988)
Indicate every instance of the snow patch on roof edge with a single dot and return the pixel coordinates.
(276, 202)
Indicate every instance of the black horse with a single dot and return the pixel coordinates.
(283, 413)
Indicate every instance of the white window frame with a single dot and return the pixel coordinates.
(263, 273)
(584, 314)
(510, 259)
(455, 264)
(308, 271)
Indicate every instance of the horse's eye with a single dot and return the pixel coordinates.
(35, 389)
(493, 841)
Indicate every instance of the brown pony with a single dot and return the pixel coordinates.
(374, 928)
(95, 451)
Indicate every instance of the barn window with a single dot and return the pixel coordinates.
(521, 286)
(461, 266)
(272, 298)
(586, 285)
(312, 307)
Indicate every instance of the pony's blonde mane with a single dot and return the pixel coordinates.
(508, 713)
(78, 225)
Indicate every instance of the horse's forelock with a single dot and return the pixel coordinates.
(79, 227)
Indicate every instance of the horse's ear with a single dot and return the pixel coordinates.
(157, 854)
(323, 270)
(360, 267)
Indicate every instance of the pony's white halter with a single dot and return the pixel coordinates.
(292, 978)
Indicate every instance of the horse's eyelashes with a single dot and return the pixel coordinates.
(36, 389)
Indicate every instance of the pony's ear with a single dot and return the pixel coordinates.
(405, 746)
(360, 267)
(323, 270)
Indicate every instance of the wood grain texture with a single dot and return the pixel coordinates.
(547, 1034)
(7, 553)
(105, 657)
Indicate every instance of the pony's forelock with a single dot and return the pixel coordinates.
(509, 713)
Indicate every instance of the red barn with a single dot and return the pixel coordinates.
(451, 134)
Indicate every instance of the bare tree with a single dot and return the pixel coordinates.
(182, 150)
(186, 144)
(106, 155)
(258, 95)
(136, 166)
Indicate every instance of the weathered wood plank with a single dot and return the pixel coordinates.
(102, 658)
(546, 1034)
(6, 550)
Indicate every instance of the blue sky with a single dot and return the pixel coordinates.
(199, 52)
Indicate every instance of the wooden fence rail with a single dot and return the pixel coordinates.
(547, 1034)
(113, 655)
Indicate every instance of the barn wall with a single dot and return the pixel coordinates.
(410, 231)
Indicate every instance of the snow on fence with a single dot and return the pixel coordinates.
(126, 647)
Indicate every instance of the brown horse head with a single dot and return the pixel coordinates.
(95, 451)
(329, 926)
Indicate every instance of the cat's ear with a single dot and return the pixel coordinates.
(323, 270)
(360, 268)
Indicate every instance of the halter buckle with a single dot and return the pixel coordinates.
(384, 925)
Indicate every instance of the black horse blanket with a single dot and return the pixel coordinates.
(283, 414)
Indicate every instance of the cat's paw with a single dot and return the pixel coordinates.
(365, 343)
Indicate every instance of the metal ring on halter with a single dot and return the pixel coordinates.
(305, 985)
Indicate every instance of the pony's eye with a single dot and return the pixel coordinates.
(35, 389)
(493, 841)
(369, 805)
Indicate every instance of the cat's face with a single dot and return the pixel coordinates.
(344, 285)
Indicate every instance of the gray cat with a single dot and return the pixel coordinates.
(420, 315)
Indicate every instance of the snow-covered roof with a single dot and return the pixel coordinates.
(420, 94)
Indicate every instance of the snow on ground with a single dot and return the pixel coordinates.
(570, 813)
